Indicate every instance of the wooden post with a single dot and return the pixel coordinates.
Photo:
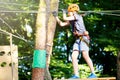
(51, 26)
(11, 56)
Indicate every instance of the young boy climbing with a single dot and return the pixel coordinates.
(82, 38)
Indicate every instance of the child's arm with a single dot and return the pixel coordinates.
(62, 23)
(66, 18)
(59, 21)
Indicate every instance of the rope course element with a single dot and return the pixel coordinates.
(5, 32)
(104, 12)
(9, 26)
(108, 14)
(6, 24)
(19, 36)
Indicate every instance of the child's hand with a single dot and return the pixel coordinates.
(86, 33)
(54, 13)
(76, 34)
(64, 11)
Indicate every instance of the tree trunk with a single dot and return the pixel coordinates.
(50, 35)
(38, 73)
(51, 29)
(118, 66)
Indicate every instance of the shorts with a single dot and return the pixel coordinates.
(81, 45)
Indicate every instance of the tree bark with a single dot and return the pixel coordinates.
(40, 38)
(118, 66)
(50, 35)
(51, 29)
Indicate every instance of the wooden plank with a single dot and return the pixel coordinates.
(105, 78)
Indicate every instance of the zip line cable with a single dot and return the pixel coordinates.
(35, 11)
(106, 12)
(102, 11)
(38, 6)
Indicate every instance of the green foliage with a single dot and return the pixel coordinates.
(3, 64)
(59, 68)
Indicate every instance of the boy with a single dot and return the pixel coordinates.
(82, 38)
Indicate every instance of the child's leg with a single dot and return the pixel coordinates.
(75, 62)
(88, 60)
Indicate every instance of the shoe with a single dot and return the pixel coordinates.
(92, 75)
(74, 77)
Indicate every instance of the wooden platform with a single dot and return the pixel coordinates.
(105, 78)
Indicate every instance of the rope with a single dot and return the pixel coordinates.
(106, 12)
(27, 5)
(9, 26)
(19, 36)
(35, 11)
(3, 31)
(6, 24)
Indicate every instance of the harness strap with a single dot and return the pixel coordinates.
(82, 39)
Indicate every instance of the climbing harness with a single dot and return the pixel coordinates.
(84, 40)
